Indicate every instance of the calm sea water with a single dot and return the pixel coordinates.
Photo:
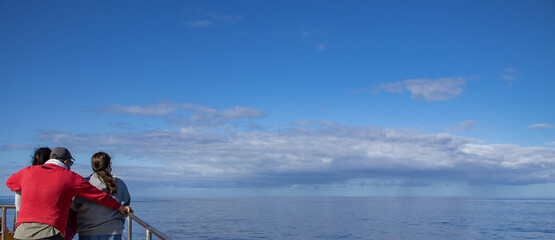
(346, 218)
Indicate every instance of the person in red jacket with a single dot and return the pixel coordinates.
(46, 194)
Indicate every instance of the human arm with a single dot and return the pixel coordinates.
(122, 194)
(13, 182)
(125, 197)
(17, 200)
(84, 189)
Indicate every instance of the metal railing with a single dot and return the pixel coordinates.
(3, 227)
(149, 229)
(130, 217)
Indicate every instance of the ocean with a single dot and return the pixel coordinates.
(346, 217)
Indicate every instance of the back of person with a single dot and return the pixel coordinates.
(95, 221)
(45, 189)
(46, 194)
(40, 157)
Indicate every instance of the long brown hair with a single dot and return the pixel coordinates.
(100, 162)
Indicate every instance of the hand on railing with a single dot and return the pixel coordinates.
(125, 210)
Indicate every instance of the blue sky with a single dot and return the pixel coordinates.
(227, 98)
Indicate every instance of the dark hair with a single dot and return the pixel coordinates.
(100, 162)
(41, 156)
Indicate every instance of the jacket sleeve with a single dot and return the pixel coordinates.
(13, 182)
(84, 189)
(125, 196)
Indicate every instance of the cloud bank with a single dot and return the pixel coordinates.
(306, 152)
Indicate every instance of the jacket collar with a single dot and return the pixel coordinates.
(56, 162)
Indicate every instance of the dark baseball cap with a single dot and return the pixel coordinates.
(60, 153)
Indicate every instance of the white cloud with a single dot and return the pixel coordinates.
(199, 115)
(205, 116)
(158, 109)
(509, 75)
(318, 153)
(200, 23)
(15, 147)
(242, 112)
(540, 126)
(225, 17)
(429, 89)
(215, 18)
(317, 38)
(466, 125)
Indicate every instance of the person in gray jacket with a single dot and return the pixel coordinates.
(94, 221)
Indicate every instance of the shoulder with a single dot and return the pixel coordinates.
(39, 169)
(119, 181)
(121, 186)
(72, 173)
(74, 176)
(91, 177)
(30, 168)
(25, 171)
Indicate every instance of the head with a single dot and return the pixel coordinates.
(101, 161)
(41, 156)
(101, 164)
(63, 155)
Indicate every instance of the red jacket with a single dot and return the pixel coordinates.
(47, 191)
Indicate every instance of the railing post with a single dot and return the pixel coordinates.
(14, 220)
(130, 218)
(3, 227)
(149, 229)
(129, 232)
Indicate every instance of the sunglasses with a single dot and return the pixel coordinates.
(69, 163)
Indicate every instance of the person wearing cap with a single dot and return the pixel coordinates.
(46, 194)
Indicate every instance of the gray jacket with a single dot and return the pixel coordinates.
(95, 219)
